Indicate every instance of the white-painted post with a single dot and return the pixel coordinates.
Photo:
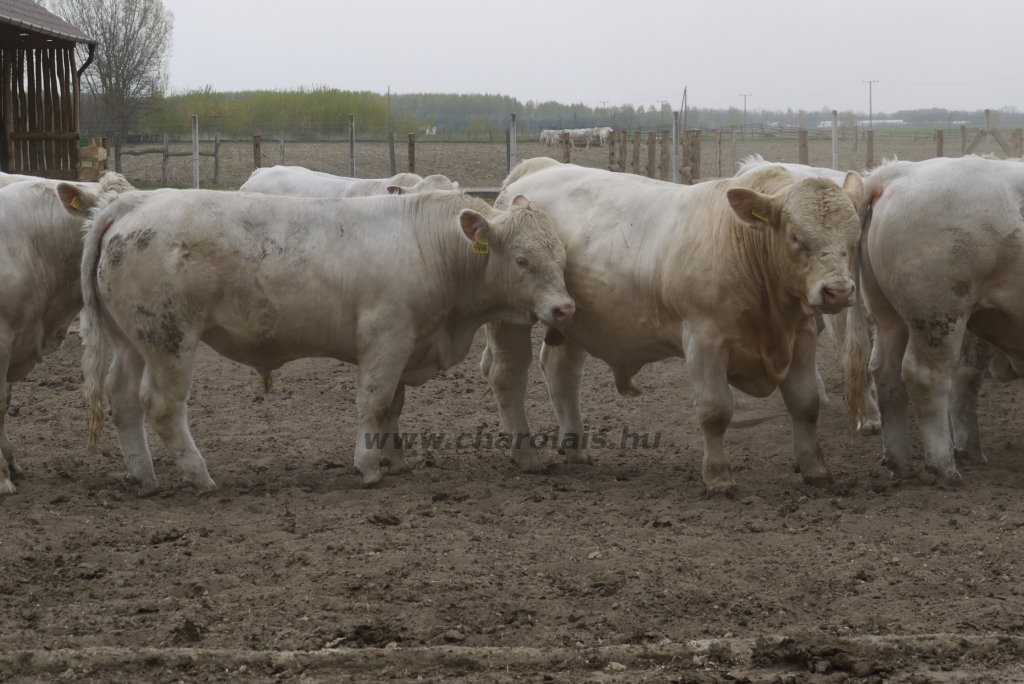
(512, 143)
(281, 159)
(988, 128)
(195, 151)
(351, 145)
(835, 140)
(675, 147)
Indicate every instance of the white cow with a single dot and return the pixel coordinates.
(864, 414)
(296, 181)
(942, 261)
(40, 252)
(397, 285)
(727, 274)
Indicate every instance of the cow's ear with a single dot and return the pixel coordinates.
(853, 184)
(753, 208)
(521, 201)
(76, 200)
(474, 225)
(397, 190)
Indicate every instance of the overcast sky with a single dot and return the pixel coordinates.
(786, 53)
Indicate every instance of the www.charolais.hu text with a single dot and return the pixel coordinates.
(602, 439)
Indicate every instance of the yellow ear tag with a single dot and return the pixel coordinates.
(758, 216)
(480, 246)
(76, 203)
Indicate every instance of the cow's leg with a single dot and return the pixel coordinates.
(380, 373)
(563, 371)
(124, 383)
(506, 364)
(928, 367)
(707, 367)
(803, 400)
(975, 355)
(165, 386)
(7, 464)
(393, 453)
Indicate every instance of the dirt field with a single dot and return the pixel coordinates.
(602, 573)
(484, 164)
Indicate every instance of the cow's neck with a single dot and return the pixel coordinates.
(778, 315)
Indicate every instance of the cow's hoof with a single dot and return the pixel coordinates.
(578, 457)
(395, 467)
(205, 488)
(372, 479)
(870, 428)
(820, 481)
(727, 489)
(529, 463)
(976, 456)
(7, 487)
(146, 488)
(944, 476)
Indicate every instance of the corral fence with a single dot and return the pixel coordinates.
(171, 158)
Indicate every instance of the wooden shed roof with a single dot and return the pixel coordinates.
(26, 16)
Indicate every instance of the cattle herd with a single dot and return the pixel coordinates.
(916, 269)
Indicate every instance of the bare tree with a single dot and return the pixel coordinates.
(130, 66)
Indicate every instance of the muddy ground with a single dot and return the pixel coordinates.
(291, 553)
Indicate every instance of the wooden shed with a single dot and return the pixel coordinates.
(40, 91)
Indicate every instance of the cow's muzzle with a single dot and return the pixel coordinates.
(835, 299)
(563, 314)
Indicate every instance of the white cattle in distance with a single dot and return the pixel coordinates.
(397, 285)
(727, 274)
(577, 136)
(866, 419)
(942, 273)
(40, 257)
(297, 181)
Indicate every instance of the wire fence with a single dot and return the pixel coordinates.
(482, 160)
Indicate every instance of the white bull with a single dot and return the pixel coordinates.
(728, 275)
(40, 253)
(297, 181)
(397, 285)
(864, 414)
(942, 264)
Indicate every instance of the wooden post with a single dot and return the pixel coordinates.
(167, 145)
(391, 151)
(195, 152)
(280, 155)
(1017, 142)
(611, 152)
(652, 149)
(412, 153)
(352, 145)
(636, 152)
(735, 161)
(666, 137)
(963, 140)
(835, 140)
(508, 148)
(565, 147)
(804, 152)
(622, 151)
(853, 157)
(988, 127)
(12, 166)
(869, 140)
(718, 153)
(938, 142)
(512, 144)
(117, 152)
(216, 158)
(691, 156)
(675, 147)
(257, 153)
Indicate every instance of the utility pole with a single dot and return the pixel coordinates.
(871, 115)
(744, 95)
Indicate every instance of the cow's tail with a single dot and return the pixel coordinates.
(94, 337)
(858, 335)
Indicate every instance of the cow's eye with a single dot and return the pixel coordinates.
(521, 262)
(796, 244)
